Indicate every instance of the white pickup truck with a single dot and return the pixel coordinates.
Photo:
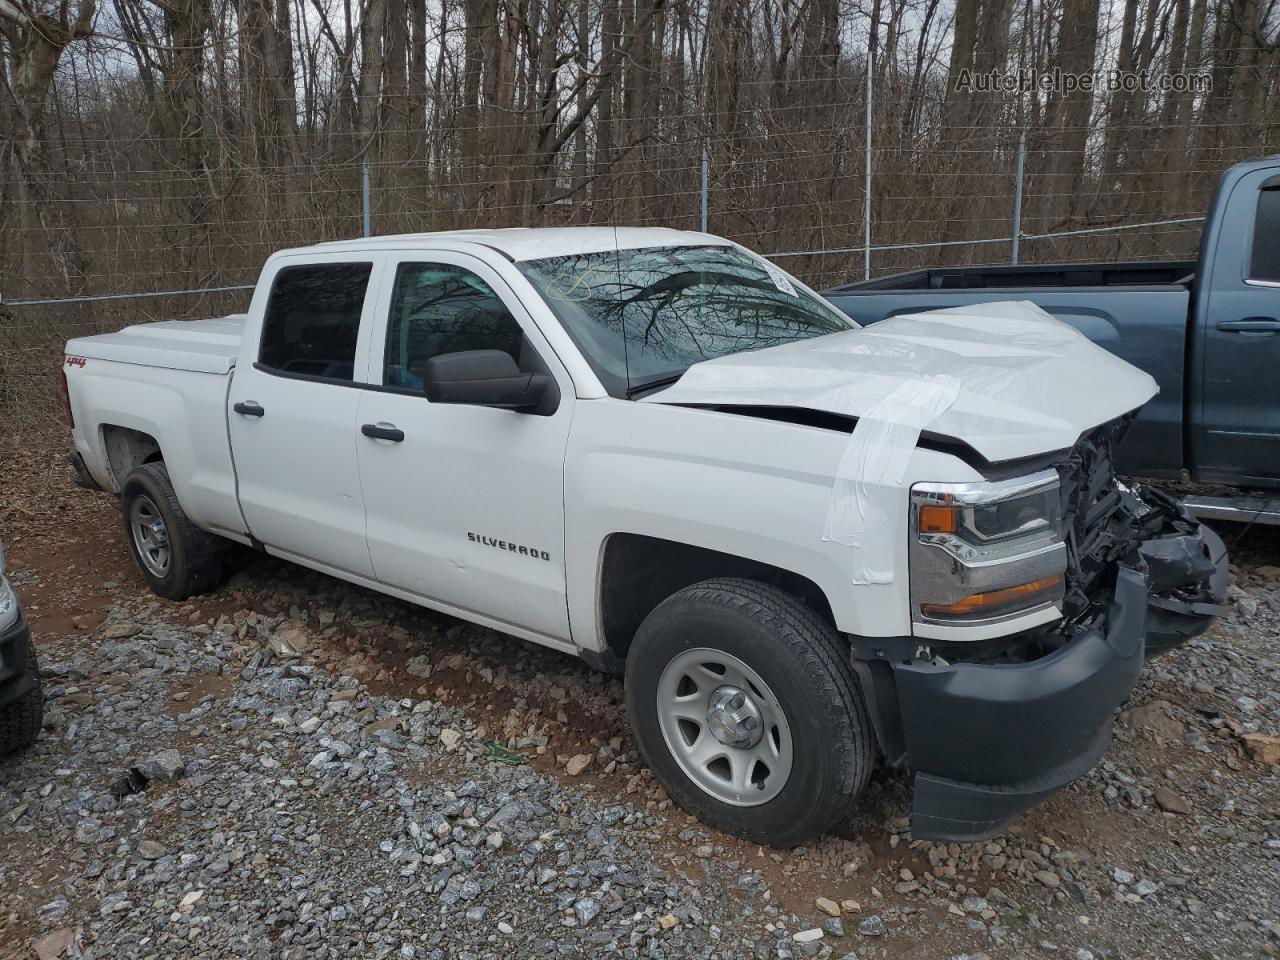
(811, 547)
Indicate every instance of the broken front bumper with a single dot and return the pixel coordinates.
(986, 741)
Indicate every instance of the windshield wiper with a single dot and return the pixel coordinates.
(654, 384)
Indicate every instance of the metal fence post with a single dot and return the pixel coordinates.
(364, 194)
(866, 200)
(1017, 197)
(706, 185)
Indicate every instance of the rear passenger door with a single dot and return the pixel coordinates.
(466, 507)
(292, 417)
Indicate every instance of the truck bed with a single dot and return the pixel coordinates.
(1140, 274)
(210, 345)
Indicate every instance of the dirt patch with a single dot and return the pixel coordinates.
(184, 696)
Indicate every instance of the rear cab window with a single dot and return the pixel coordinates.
(312, 320)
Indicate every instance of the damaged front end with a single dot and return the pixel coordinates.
(992, 727)
(1108, 525)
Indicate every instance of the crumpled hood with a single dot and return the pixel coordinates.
(1024, 383)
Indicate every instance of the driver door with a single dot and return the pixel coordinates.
(1240, 331)
(464, 504)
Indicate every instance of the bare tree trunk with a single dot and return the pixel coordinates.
(1070, 114)
(35, 42)
(478, 21)
(187, 24)
(606, 92)
(416, 102)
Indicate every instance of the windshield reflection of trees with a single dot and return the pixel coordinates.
(684, 309)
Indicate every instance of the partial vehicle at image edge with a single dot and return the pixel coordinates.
(634, 446)
(21, 696)
(1207, 330)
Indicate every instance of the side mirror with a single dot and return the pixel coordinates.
(484, 378)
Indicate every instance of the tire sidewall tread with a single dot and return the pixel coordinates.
(195, 564)
(803, 661)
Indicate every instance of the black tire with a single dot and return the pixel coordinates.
(806, 666)
(195, 559)
(20, 720)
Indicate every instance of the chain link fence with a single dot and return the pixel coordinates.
(157, 242)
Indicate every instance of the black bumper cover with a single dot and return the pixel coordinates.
(988, 741)
(16, 677)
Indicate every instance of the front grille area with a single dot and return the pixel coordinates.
(1098, 517)
(1107, 524)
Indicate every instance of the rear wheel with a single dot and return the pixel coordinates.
(176, 557)
(745, 706)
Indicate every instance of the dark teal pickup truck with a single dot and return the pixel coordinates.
(1208, 330)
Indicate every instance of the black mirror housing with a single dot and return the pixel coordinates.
(485, 378)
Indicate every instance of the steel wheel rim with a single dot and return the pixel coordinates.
(150, 535)
(711, 735)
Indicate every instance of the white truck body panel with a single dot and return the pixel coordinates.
(396, 516)
(185, 410)
(299, 483)
(738, 485)
(201, 346)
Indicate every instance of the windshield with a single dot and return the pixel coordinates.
(678, 306)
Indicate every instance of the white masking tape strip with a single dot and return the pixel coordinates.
(863, 511)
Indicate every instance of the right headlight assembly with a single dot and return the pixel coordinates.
(985, 552)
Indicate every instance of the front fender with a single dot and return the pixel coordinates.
(748, 487)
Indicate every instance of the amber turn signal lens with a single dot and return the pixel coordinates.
(938, 520)
(993, 601)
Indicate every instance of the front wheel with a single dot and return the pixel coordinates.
(745, 706)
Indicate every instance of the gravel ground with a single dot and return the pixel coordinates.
(295, 767)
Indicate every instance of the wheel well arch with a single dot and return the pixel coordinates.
(126, 449)
(638, 572)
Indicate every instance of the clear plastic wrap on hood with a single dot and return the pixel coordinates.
(876, 458)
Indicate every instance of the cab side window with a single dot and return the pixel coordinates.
(1264, 262)
(312, 320)
(439, 308)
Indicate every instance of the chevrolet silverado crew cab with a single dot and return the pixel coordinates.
(810, 547)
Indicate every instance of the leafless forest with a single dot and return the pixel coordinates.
(158, 145)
